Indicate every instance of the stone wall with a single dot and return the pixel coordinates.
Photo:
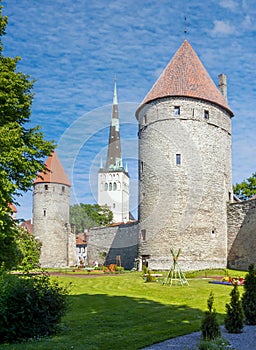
(106, 243)
(242, 234)
(184, 205)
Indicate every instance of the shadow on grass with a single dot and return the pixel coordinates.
(120, 322)
(106, 322)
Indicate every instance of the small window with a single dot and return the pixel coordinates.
(177, 110)
(141, 167)
(106, 186)
(114, 205)
(46, 187)
(145, 119)
(110, 186)
(44, 212)
(178, 159)
(206, 114)
(63, 188)
(143, 235)
(114, 186)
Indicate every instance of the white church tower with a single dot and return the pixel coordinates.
(113, 179)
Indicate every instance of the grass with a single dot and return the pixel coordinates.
(123, 312)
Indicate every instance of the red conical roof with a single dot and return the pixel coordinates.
(55, 174)
(185, 75)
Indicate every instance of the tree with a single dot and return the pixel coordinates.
(30, 249)
(247, 188)
(85, 216)
(22, 148)
(249, 296)
(210, 327)
(234, 320)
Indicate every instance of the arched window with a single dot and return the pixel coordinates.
(110, 186)
(106, 186)
(114, 186)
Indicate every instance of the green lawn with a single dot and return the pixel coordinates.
(123, 312)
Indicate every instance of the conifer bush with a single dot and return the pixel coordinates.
(210, 327)
(30, 306)
(234, 320)
(249, 296)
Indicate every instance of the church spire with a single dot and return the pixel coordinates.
(114, 158)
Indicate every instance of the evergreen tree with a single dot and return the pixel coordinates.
(210, 327)
(234, 320)
(22, 148)
(249, 296)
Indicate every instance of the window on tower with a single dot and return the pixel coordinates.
(110, 186)
(206, 114)
(176, 110)
(143, 235)
(178, 159)
(141, 166)
(114, 186)
(46, 187)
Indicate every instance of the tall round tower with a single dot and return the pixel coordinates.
(51, 215)
(185, 166)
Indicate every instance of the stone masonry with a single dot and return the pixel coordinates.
(242, 234)
(106, 243)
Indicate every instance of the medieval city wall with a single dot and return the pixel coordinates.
(106, 243)
(184, 205)
(242, 234)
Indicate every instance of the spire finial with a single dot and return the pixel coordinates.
(115, 102)
(185, 27)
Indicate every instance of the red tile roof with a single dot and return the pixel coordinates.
(12, 207)
(27, 225)
(81, 239)
(185, 75)
(55, 174)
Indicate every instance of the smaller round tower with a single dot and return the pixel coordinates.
(51, 215)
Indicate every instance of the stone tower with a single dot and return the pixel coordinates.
(51, 216)
(185, 166)
(113, 179)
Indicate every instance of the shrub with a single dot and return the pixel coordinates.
(217, 344)
(234, 319)
(30, 306)
(210, 328)
(249, 296)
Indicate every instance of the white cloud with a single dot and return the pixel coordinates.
(222, 28)
(229, 4)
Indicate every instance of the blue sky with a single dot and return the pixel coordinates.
(73, 49)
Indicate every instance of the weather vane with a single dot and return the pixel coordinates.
(185, 26)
